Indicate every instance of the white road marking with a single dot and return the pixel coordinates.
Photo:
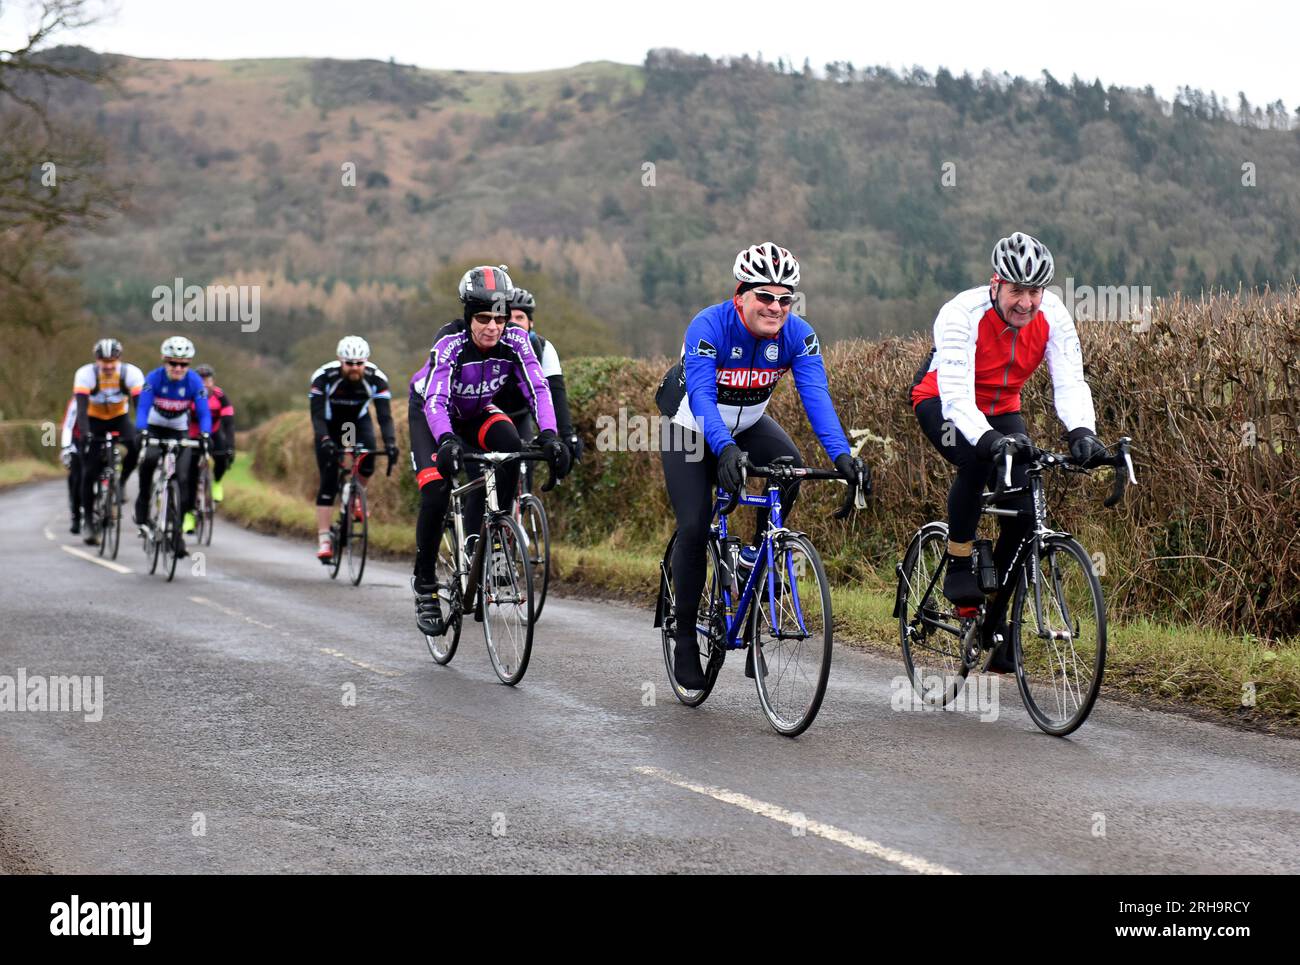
(48, 534)
(204, 601)
(357, 663)
(829, 832)
(109, 564)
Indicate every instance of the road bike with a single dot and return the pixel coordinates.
(161, 535)
(350, 532)
(1057, 615)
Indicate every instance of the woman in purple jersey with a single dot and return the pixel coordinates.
(451, 409)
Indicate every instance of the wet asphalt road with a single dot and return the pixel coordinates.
(228, 743)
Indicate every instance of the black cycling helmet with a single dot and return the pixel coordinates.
(205, 371)
(108, 348)
(486, 288)
(523, 299)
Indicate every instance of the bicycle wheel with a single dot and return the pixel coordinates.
(532, 517)
(112, 534)
(157, 509)
(790, 632)
(339, 534)
(506, 591)
(358, 535)
(203, 505)
(443, 648)
(171, 528)
(932, 654)
(1061, 657)
(101, 501)
(710, 624)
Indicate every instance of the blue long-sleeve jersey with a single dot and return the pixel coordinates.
(165, 403)
(727, 375)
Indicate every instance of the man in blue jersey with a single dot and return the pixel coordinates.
(163, 412)
(733, 356)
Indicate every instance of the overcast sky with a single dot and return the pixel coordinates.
(1248, 46)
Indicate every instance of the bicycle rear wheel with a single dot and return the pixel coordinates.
(933, 655)
(153, 542)
(171, 529)
(443, 648)
(358, 535)
(532, 517)
(710, 624)
(506, 592)
(1061, 658)
(790, 634)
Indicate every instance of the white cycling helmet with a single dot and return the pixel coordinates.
(353, 348)
(178, 347)
(768, 264)
(1023, 260)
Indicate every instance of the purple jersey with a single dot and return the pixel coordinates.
(459, 380)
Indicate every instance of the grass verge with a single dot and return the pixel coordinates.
(15, 472)
(1180, 668)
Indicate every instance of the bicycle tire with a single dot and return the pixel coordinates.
(157, 505)
(539, 548)
(799, 607)
(204, 509)
(712, 642)
(171, 528)
(113, 531)
(102, 515)
(339, 534)
(935, 659)
(511, 647)
(443, 648)
(1074, 701)
(358, 536)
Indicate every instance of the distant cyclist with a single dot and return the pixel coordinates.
(341, 395)
(733, 356)
(512, 402)
(452, 411)
(223, 440)
(966, 395)
(103, 390)
(164, 413)
(70, 455)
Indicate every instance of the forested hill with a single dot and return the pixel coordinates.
(890, 188)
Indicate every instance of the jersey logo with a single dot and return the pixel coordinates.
(772, 352)
(749, 378)
(811, 346)
(705, 349)
(736, 352)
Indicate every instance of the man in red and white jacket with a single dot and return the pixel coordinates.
(987, 342)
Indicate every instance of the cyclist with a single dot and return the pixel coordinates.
(452, 410)
(223, 440)
(512, 402)
(103, 390)
(733, 355)
(163, 412)
(341, 394)
(966, 396)
(70, 455)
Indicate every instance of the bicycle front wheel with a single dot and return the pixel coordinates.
(506, 593)
(1059, 632)
(710, 624)
(447, 577)
(103, 508)
(112, 535)
(532, 517)
(203, 506)
(171, 528)
(790, 634)
(358, 534)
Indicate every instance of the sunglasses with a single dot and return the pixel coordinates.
(178, 364)
(353, 363)
(767, 298)
(487, 318)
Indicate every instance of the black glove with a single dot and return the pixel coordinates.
(450, 450)
(995, 445)
(557, 453)
(731, 466)
(853, 469)
(1085, 447)
(391, 452)
(576, 448)
(328, 447)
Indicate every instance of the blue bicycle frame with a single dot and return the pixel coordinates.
(735, 615)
